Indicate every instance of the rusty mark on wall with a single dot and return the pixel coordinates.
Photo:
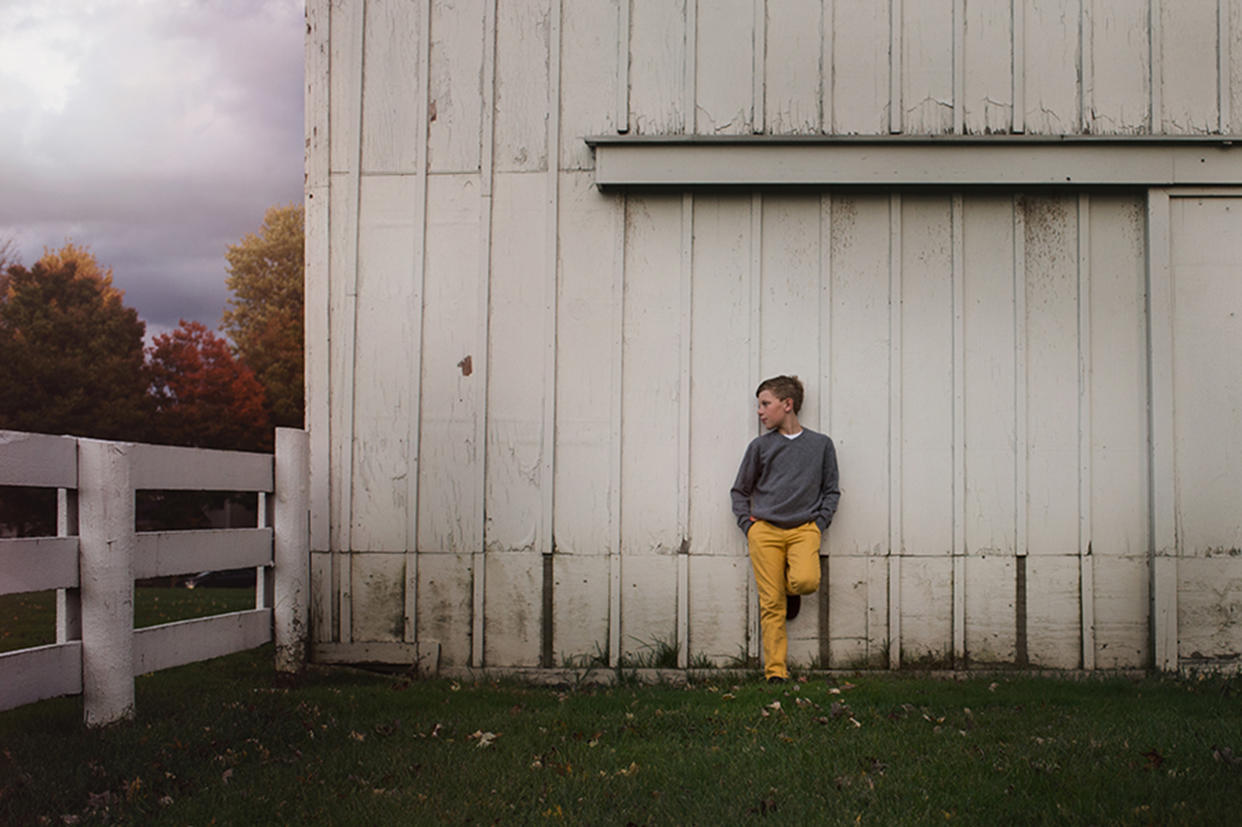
(466, 365)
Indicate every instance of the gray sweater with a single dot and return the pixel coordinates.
(787, 482)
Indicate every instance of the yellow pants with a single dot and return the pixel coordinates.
(786, 561)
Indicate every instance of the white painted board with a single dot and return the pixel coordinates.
(392, 86)
(860, 72)
(450, 508)
(384, 352)
(724, 54)
(579, 609)
(988, 61)
(516, 385)
(585, 335)
(1050, 266)
(1050, 70)
(927, 67)
(793, 82)
(651, 376)
(926, 377)
(1120, 99)
(378, 581)
(513, 609)
(722, 405)
(445, 586)
(588, 83)
(455, 100)
(989, 375)
(858, 369)
(1188, 68)
(522, 31)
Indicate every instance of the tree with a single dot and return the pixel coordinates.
(71, 357)
(202, 396)
(264, 318)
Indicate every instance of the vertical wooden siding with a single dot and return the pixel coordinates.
(528, 398)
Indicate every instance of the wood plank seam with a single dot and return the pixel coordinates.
(896, 13)
(1021, 449)
(623, 67)
(415, 312)
(758, 102)
(895, 426)
(685, 337)
(689, 110)
(1018, 41)
(345, 597)
(547, 541)
(617, 361)
(957, 210)
(1155, 46)
(825, 407)
(487, 150)
(1085, 435)
(959, 67)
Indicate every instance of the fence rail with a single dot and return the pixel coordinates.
(99, 554)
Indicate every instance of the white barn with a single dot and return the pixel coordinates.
(553, 245)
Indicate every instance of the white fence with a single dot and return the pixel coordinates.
(98, 554)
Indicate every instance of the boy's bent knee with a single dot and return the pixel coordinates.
(804, 585)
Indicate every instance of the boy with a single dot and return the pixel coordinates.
(784, 497)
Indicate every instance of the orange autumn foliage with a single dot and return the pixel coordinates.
(203, 396)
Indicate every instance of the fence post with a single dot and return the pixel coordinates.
(107, 541)
(291, 552)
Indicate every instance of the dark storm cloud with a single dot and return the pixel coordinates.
(155, 133)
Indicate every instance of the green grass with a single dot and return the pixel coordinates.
(229, 742)
(29, 619)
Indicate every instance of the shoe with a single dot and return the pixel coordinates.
(774, 679)
(793, 602)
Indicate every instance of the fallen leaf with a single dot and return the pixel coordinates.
(1225, 755)
(227, 775)
(357, 736)
(628, 771)
(855, 722)
(1154, 759)
(485, 739)
(775, 706)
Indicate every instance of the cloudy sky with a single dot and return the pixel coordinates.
(155, 132)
